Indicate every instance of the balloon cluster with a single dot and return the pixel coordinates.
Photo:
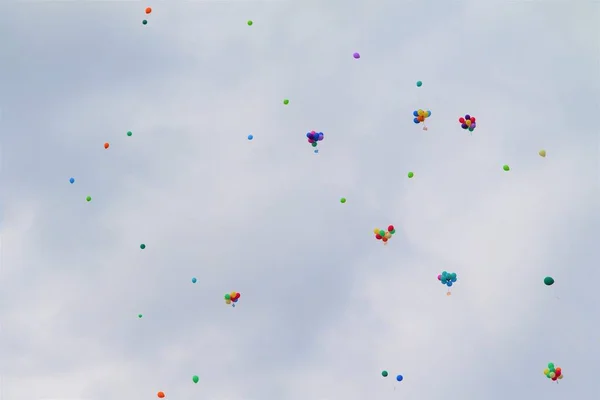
(314, 137)
(232, 297)
(399, 378)
(421, 116)
(447, 278)
(553, 372)
(380, 234)
(468, 122)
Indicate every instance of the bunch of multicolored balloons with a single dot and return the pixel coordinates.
(421, 116)
(553, 372)
(380, 234)
(448, 279)
(314, 137)
(232, 298)
(468, 122)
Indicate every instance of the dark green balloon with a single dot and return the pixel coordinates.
(548, 281)
(384, 373)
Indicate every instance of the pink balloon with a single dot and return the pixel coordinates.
(439, 277)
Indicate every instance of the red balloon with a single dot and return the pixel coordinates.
(555, 378)
(557, 372)
(472, 119)
(390, 228)
(378, 236)
(461, 120)
(237, 296)
(385, 239)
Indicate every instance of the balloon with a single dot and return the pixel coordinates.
(250, 137)
(381, 232)
(391, 228)
(356, 56)
(416, 120)
(552, 374)
(195, 378)
(194, 280)
(419, 83)
(343, 200)
(160, 395)
(546, 371)
(250, 23)
(410, 174)
(72, 180)
(399, 378)
(388, 235)
(142, 246)
(439, 277)
(227, 296)
(415, 113)
(461, 120)
(286, 101)
(384, 373)
(129, 133)
(89, 198)
(148, 10)
(560, 376)
(106, 145)
(548, 281)
(384, 239)
(228, 301)
(140, 315)
(376, 231)
(144, 22)
(542, 153)
(506, 168)
(551, 366)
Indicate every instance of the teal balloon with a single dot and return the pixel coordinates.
(549, 281)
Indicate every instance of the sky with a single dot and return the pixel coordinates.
(324, 306)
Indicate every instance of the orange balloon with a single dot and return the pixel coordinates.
(160, 395)
(106, 145)
(148, 10)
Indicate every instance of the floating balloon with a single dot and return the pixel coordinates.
(160, 395)
(384, 236)
(194, 280)
(148, 10)
(232, 298)
(314, 137)
(88, 199)
(553, 372)
(410, 174)
(250, 23)
(420, 116)
(356, 56)
(140, 315)
(144, 22)
(419, 83)
(506, 167)
(142, 246)
(542, 153)
(384, 373)
(343, 200)
(468, 122)
(129, 133)
(106, 145)
(448, 279)
(72, 181)
(195, 379)
(286, 101)
(399, 378)
(250, 137)
(549, 281)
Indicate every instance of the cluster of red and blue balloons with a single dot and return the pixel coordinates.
(232, 298)
(314, 137)
(380, 234)
(468, 122)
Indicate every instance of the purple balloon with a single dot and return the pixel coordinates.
(356, 56)
(467, 116)
(464, 126)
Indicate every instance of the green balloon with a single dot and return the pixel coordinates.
(549, 281)
(384, 373)
(550, 365)
(139, 315)
(227, 296)
(250, 23)
(343, 200)
(419, 83)
(410, 174)
(129, 133)
(195, 378)
(142, 246)
(393, 231)
(286, 101)
(89, 198)
(381, 232)
(506, 168)
(144, 22)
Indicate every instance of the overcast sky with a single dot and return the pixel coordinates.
(324, 307)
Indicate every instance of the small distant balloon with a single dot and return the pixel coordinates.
(106, 145)
(142, 246)
(286, 101)
(160, 395)
(194, 280)
(89, 198)
(316, 151)
(356, 56)
(250, 137)
(129, 133)
(549, 281)
(140, 315)
(419, 84)
(542, 153)
(399, 378)
(148, 10)
(410, 174)
(250, 22)
(384, 373)
(72, 180)
(195, 378)
(144, 22)
(343, 200)
(506, 168)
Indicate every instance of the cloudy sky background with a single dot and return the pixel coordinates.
(324, 307)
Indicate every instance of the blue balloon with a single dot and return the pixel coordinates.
(428, 113)
(415, 113)
(453, 280)
(250, 137)
(232, 305)
(316, 151)
(399, 378)
(449, 283)
(194, 280)
(308, 134)
(416, 120)
(72, 180)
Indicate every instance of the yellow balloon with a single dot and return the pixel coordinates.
(468, 122)
(228, 301)
(420, 112)
(546, 371)
(232, 294)
(376, 231)
(561, 376)
(388, 235)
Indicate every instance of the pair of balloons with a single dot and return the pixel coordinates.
(232, 297)
(553, 372)
(380, 234)
(314, 137)
(468, 122)
(399, 378)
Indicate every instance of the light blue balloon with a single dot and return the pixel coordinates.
(316, 151)
(72, 180)
(250, 137)
(194, 280)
